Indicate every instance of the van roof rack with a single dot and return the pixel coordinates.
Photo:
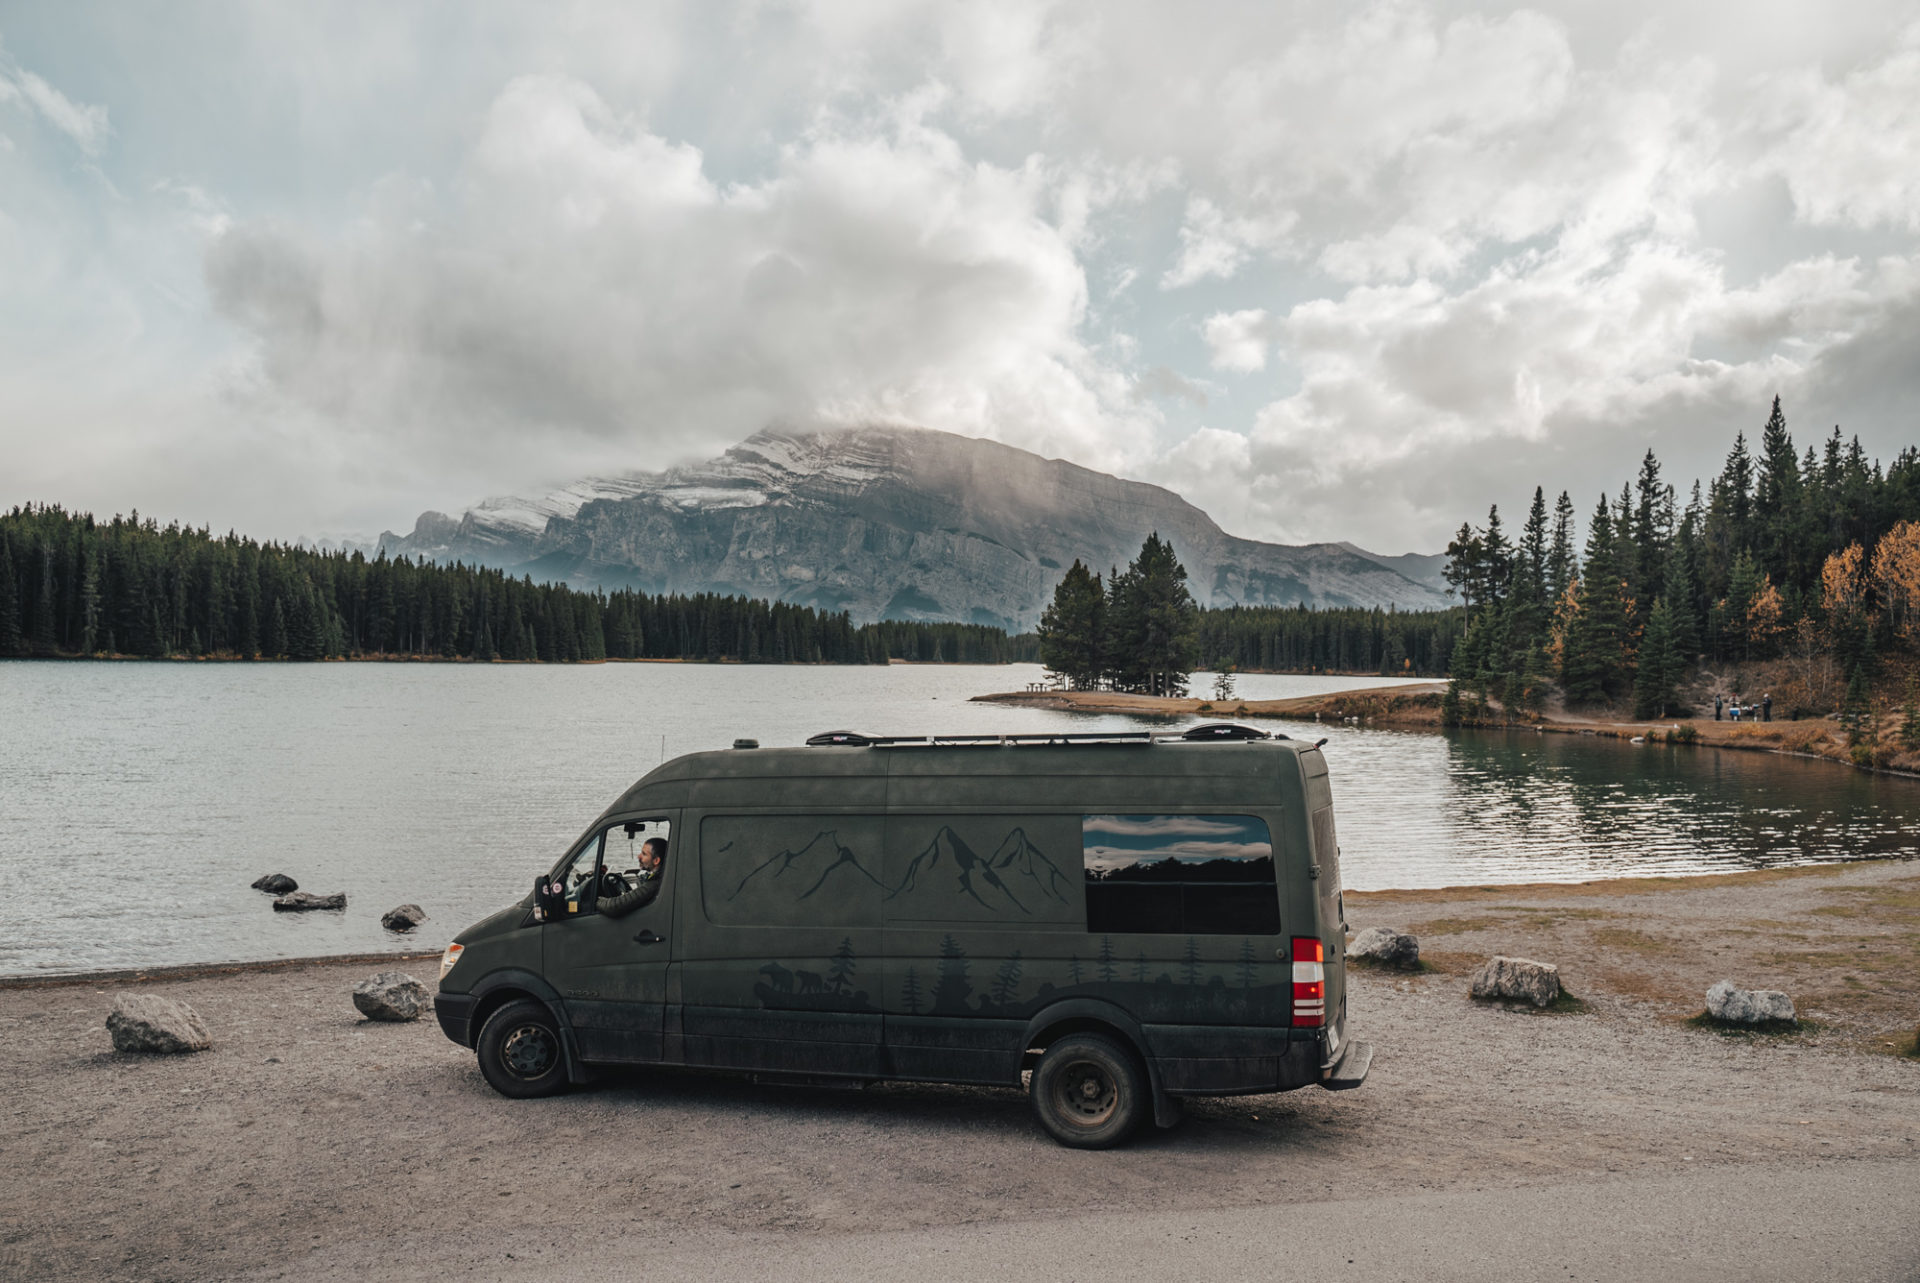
(1040, 739)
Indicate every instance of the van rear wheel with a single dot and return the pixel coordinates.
(1089, 1092)
(520, 1052)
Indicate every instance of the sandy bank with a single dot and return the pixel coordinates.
(309, 1139)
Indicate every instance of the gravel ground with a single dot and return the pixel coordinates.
(308, 1137)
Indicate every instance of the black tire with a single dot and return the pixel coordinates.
(520, 1051)
(1089, 1092)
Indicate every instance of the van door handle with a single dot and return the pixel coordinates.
(646, 936)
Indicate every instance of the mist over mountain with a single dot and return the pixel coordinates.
(893, 523)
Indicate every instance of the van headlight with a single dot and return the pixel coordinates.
(451, 956)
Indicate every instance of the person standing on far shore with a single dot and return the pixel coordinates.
(1717, 703)
(1766, 707)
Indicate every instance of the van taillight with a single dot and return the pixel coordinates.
(1309, 983)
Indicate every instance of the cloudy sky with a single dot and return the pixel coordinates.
(1332, 272)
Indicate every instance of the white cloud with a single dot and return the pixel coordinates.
(1238, 341)
(1850, 150)
(588, 284)
(83, 123)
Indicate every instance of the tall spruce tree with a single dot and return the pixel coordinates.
(1660, 665)
(1593, 663)
(1073, 629)
(1561, 567)
(1152, 623)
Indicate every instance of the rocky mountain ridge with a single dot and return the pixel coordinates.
(892, 523)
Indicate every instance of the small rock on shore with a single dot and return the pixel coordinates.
(1386, 946)
(1737, 1006)
(276, 884)
(1517, 978)
(301, 901)
(391, 995)
(404, 918)
(147, 1022)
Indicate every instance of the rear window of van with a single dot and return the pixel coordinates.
(1179, 874)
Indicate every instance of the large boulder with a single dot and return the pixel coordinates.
(1748, 1006)
(1517, 979)
(276, 884)
(1385, 946)
(302, 901)
(148, 1022)
(391, 995)
(404, 918)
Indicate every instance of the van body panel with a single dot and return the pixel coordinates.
(922, 912)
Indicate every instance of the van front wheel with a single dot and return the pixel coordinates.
(1089, 1092)
(520, 1052)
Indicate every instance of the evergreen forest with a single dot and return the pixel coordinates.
(73, 586)
(1807, 558)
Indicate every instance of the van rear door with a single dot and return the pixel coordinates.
(1326, 880)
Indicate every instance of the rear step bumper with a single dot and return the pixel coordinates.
(1351, 1069)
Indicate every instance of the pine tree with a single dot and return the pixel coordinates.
(1152, 623)
(1072, 632)
(840, 970)
(1660, 665)
(1856, 713)
(13, 639)
(910, 995)
(951, 987)
(90, 604)
(1593, 656)
(1910, 718)
(1560, 564)
(1190, 963)
(1006, 982)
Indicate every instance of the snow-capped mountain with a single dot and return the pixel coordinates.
(889, 523)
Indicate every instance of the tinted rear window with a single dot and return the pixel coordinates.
(1179, 874)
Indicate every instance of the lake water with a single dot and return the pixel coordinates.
(137, 801)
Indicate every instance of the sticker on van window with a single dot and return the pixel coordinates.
(1186, 874)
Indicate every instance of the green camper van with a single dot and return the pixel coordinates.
(1113, 921)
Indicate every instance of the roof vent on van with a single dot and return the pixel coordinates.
(746, 743)
(853, 738)
(1226, 731)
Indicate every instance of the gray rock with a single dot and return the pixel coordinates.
(1386, 946)
(148, 1022)
(276, 884)
(301, 901)
(391, 995)
(1519, 979)
(1748, 1006)
(404, 918)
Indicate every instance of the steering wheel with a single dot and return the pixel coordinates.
(612, 884)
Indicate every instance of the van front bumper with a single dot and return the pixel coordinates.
(454, 1011)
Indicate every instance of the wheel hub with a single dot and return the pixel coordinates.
(528, 1051)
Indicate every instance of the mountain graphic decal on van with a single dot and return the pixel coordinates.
(1016, 868)
(810, 866)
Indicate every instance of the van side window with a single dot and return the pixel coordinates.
(1184, 874)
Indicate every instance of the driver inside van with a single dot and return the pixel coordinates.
(641, 884)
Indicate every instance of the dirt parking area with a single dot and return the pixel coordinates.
(308, 1137)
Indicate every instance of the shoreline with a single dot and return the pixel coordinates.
(1417, 707)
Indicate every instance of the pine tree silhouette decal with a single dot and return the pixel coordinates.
(1247, 971)
(910, 995)
(840, 972)
(950, 988)
(1006, 981)
(1140, 968)
(1073, 968)
(1107, 973)
(1190, 969)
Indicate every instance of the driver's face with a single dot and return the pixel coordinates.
(649, 858)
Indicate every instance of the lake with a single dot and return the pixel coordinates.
(138, 801)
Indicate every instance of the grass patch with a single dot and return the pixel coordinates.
(1564, 1005)
(1628, 940)
(1770, 1028)
(1913, 1051)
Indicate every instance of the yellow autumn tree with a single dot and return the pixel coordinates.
(1896, 574)
(1843, 581)
(1763, 615)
